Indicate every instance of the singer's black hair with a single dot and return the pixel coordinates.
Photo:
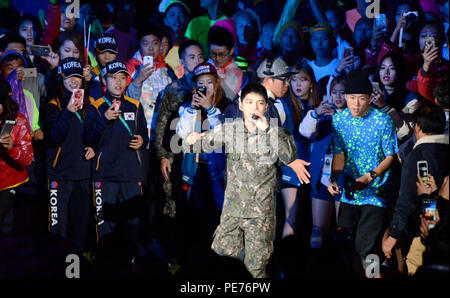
(254, 88)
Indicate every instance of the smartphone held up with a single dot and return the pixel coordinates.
(116, 105)
(7, 128)
(422, 169)
(202, 90)
(37, 50)
(77, 97)
(348, 51)
(381, 21)
(148, 60)
(429, 209)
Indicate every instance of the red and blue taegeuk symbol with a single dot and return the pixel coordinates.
(98, 184)
(54, 184)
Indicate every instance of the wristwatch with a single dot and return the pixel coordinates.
(373, 175)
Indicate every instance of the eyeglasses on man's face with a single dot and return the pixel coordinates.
(285, 80)
(216, 55)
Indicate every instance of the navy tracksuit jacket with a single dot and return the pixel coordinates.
(68, 172)
(117, 174)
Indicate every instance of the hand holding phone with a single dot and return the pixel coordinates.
(37, 50)
(76, 100)
(111, 113)
(429, 209)
(148, 60)
(30, 72)
(348, 51)
(422, 169)
(430, 42)
(375, 86)
(6, 140)
(7, 128)
(202, 90)
(328, 99)
(136, 142)
(116, 105)
(381, 21)
(78, 96)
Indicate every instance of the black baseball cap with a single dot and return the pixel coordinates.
(106, 42)
(70, 67)
(113, 67)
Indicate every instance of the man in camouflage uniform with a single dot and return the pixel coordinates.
(175, 94)
(253, 148)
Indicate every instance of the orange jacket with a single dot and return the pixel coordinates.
(14, 162)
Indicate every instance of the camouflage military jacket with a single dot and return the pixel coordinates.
(251, 165)
(175, 94)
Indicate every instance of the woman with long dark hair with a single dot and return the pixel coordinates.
(393, 95)
(68, 158)
(16, 152)
(316, 126)
(68, 44)
(391, 76)
(304, 96)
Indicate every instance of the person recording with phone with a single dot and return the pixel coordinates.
(407, 18)
(28, 91)
(16, 153)
(390, 94)
(317, 127)
(30, 29)
(434, 68)
(115, 126)
(203, 174)
(68, 156)
(431, 150)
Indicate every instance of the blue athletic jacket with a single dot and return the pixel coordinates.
(302, 143)
(114, 159)
(64, 134)
(319, 131)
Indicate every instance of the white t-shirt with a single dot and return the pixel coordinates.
(323, 71)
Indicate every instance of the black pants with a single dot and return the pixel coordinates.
(204, 215)
(370, 223)
(69, 202)
(6, 206)
(118, 202)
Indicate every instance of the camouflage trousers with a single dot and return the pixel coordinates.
(251, 236)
